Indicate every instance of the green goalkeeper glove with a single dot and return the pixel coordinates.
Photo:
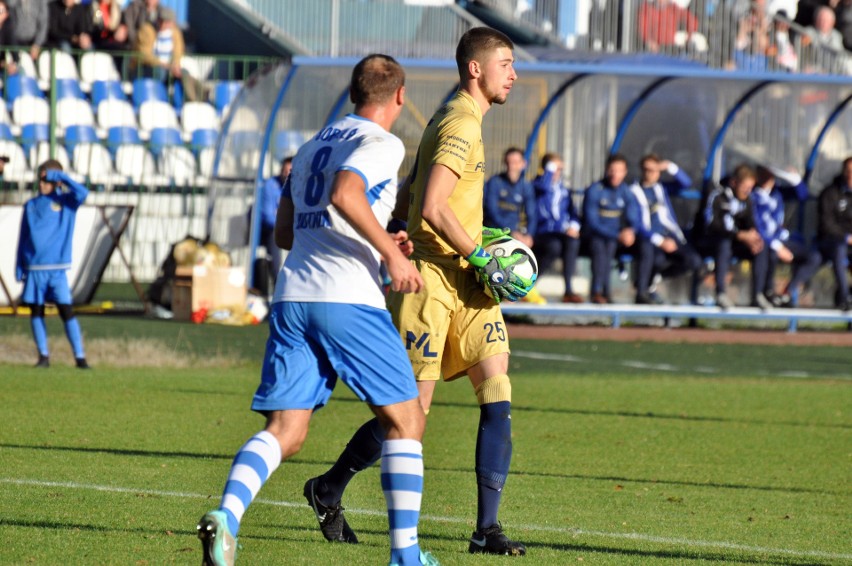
(496, 274)
(490, 235)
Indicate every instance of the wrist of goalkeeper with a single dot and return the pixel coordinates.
(497, 274)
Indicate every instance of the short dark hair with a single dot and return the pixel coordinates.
(49, 164)
(743, 171)
(375, 80)
(475, 43)
(513, 149)
(650, 157)
(548, 157)
(764, 174)
(615, 158)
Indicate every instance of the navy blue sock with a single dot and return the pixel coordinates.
(493, 455)
(363, 450)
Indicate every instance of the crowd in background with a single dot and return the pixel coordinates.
(742, 217)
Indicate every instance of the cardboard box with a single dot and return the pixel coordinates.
(201, 287)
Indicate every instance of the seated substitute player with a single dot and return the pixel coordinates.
(609, 219)
(731, 231)
(768, 204)
(661, 245)
(558, 228)
(451, 328)
(332, 214)
(44, 255)
(834, 231)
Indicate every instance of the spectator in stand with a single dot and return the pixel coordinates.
(107, 32)
(509, 198)
(30, 24)
(823, 30)
(783, 49)
(731, 231)
(768, 204)
(822, 44)
(557, 233)
(662, 24)
(161, 49)
(69, 26)
(136, 13)
(270, 195)
(509, 202)
(609, 218)
(752, 40)
(843, 15)
(8, 65)
(834, 231)
(660, 243)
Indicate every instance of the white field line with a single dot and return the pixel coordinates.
(572, 531)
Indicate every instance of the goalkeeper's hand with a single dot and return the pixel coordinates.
(492, 234)
(496, 274)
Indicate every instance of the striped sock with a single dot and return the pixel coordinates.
(402, 483)
(252, 466)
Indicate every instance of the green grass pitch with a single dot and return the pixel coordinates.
(632, 453)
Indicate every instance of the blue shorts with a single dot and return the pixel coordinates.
(46, 285)
(312, 344)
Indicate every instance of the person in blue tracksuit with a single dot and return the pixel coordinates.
(768, 205)
(660, 243)
(557, 233)
(509, 201)
(609, 220)
(270, 195)
(44, 255)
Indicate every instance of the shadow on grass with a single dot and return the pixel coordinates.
(299, 534)
(515, 471)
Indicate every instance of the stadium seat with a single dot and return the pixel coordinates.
(65, 67)
(157, 114)
(122, 135)
(40, 152)
(224, 93)
(198, 67)
(113, 112)
(162, 138)
(6, 132)
(74, 112)
(21, 85)
(69, 88)
(26, 66)
(136, 163)
(32, 134)
(18, 169)
(203, 138)
(77, 134)
(178, 163)
(95, 162)
(206, 161)
(148, 89)
(105, 90)
(98, 66)
(30, 110)
(198, 115)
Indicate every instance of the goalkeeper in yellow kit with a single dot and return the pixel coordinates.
(452, 327)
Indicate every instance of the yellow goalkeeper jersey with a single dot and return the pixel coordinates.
(452, 138)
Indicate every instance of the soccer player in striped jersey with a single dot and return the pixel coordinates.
(328, 319)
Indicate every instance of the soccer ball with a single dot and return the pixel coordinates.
(506, 246)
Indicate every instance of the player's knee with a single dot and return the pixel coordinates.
(66, 312)
(37, 311)
(495, 389)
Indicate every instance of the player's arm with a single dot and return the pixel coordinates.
(77, 192)
(20, 260)
(349, 197)
(284, 223)
(437, 212)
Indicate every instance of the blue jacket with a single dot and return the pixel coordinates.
(47, 227)
(768, 209)
(270, 195)
(656, 215)
(509, 205)
(554, 206)
(606, 210)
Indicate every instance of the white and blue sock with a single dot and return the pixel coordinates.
(402, 483)
(252, 466)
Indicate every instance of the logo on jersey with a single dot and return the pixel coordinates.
(421, 342)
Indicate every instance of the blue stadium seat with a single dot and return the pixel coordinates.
(148, 89)
(79, 134)
(20, 84)
(69, 88)
(122, 135)
(103, 90)
(203, 138)
(163, 137)
(224, 93)
(6, 132)
(31, 134)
